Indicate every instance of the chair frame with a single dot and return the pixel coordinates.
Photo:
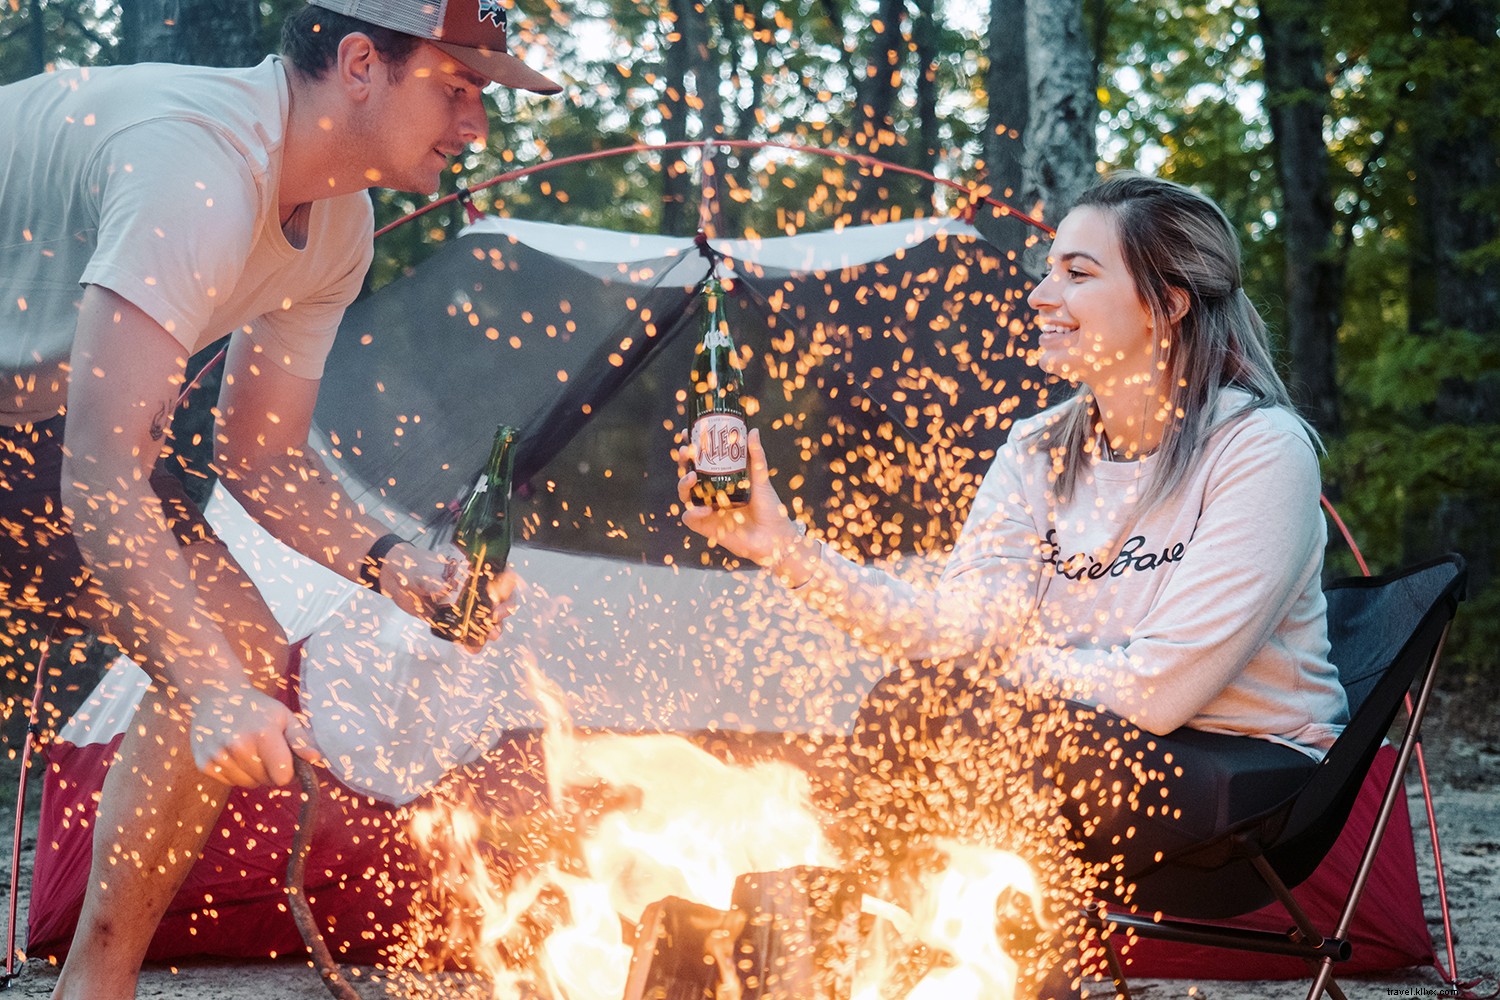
(1304, 940)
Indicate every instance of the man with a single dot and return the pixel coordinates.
(144, 212)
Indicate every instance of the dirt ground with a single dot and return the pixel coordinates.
(1463, 758)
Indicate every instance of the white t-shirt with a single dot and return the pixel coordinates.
(159, 182)
(1205, 610)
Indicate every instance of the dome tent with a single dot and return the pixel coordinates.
(581, 337)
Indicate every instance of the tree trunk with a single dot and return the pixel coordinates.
(202, 32)
(925, 40)
(882, 79)
(1453, 286)
(1007, 97)
(707, 85)
(36, 36)
(739, 113)
(1060, 161)
(676, 180)
(1297, 101)
(875, 128)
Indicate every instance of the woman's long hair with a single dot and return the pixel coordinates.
(1174, 238)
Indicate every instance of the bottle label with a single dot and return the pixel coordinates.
(483, 486)
(717, 336)
(721, 443)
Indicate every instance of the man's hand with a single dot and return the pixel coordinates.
(247, 738)
(420, 581)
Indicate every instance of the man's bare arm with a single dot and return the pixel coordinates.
(263, 454)
(127, 371)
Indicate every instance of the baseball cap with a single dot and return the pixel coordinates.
(471, 31)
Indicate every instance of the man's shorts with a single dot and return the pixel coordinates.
(41, 570)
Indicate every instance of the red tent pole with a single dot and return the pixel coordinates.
(1451, 973)
(874, 163)
(32, 731)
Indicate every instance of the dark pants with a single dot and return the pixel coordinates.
(41, 570)
(1092, 801)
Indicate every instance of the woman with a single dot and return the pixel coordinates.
(1147, 553)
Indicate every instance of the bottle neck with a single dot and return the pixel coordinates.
(716, 336)
(502, 458)
(715, 322)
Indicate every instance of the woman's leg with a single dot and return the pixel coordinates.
(1090, 799)
(1135, 799)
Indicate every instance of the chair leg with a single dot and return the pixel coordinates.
(1116, 969)
(1305, 926)
(1324, 983)
(1417, 713)
(1093, 922)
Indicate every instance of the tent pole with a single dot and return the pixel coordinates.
(32, 731)
(1450, 974)
(838, 155)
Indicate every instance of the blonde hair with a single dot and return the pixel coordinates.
(1174, 238)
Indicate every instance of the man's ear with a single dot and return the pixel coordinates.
(357, 60)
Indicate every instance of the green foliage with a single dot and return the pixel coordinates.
(1180, 97)
(36, 36)
(1179, 87)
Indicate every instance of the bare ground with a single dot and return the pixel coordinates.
(1462, 750)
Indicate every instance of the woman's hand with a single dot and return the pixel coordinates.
(760, 531)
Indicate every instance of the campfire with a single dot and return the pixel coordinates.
(666, 868)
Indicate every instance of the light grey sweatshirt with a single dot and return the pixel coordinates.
(1205, 610)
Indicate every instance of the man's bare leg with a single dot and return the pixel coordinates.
(155, 812)
(157, 808)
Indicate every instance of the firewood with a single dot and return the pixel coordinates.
(801, 934)
(685, 951)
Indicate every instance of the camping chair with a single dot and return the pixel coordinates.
(1387, 635)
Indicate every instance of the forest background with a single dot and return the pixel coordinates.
(1355, 145)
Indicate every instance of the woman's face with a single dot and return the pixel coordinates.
(1094, 327)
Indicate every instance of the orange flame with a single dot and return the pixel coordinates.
(693, 825)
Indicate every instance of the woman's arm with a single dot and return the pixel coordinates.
(986, 593)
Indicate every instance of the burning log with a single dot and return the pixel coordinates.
(685, 951)
(791, 935)
(519, 946)
(801, 935)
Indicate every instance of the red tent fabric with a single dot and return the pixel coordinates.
(233, 905)
(362, 876)
(358, 878)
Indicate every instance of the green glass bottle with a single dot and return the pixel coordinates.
(719, 436)
(483, 532)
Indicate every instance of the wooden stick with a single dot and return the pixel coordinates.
(307, 926)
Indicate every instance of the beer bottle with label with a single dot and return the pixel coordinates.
(720, 439)
(483, 532)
